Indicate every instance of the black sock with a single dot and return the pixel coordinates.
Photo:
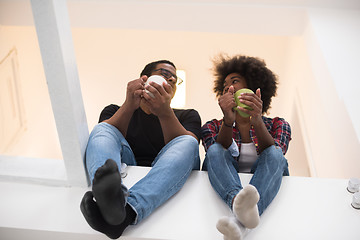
(108, 193)
(93, 216)
(130, 215)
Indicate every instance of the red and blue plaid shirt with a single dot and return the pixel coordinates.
(278, 128)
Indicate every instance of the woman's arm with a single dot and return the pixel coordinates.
(227, 103)
(254, 101)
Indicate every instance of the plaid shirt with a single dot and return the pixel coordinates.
(278, 128)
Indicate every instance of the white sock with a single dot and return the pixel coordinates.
(231, 228)
(245, 206)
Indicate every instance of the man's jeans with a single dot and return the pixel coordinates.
(170, 169)
(268, 170)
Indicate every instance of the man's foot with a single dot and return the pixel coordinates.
(231, 228)
(108, 193)
(245, 206)
(93, 216)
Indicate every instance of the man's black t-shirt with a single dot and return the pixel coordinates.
(144, 133)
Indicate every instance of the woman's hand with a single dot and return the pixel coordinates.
(254, 101)
(227, 103)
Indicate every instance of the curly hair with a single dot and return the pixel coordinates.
(252, 69)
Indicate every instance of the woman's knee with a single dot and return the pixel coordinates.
(215, 154)
(215, 149)
(276, 156)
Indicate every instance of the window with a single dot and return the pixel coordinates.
(12, 117)
(55, 41)
(179, 99)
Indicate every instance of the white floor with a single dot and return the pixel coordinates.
(305, 208)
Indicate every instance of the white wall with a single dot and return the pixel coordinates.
(40, 138)
(108, 58)
(338, 36)
(106, 63)
(307, 93)
(322, 73)
(117, 56)
(332, 41)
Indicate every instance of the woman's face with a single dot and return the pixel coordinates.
(235, 80)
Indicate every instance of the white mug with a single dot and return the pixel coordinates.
(156, 79)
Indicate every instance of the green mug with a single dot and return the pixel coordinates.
(238, 103)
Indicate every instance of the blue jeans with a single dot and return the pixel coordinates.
(170, 169)
(268, 170)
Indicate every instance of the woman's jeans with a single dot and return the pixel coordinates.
(268, 170)
(170, 169)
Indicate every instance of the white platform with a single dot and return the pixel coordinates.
(305, 208)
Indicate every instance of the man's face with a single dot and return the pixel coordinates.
(169, 73)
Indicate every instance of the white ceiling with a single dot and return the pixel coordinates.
(275, 17)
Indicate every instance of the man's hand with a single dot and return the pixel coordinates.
(123, 115)
(159, 105)
(134, 92)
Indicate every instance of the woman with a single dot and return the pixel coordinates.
(254, 144)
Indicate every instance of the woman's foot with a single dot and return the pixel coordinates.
(245, 206)
(231, 228)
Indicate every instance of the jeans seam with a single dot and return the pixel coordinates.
(144, 209)
(228, 193)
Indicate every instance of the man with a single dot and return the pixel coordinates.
(144, 131)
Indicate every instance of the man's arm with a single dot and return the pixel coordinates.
(159, 105)
(122, 117)
(172, 128)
